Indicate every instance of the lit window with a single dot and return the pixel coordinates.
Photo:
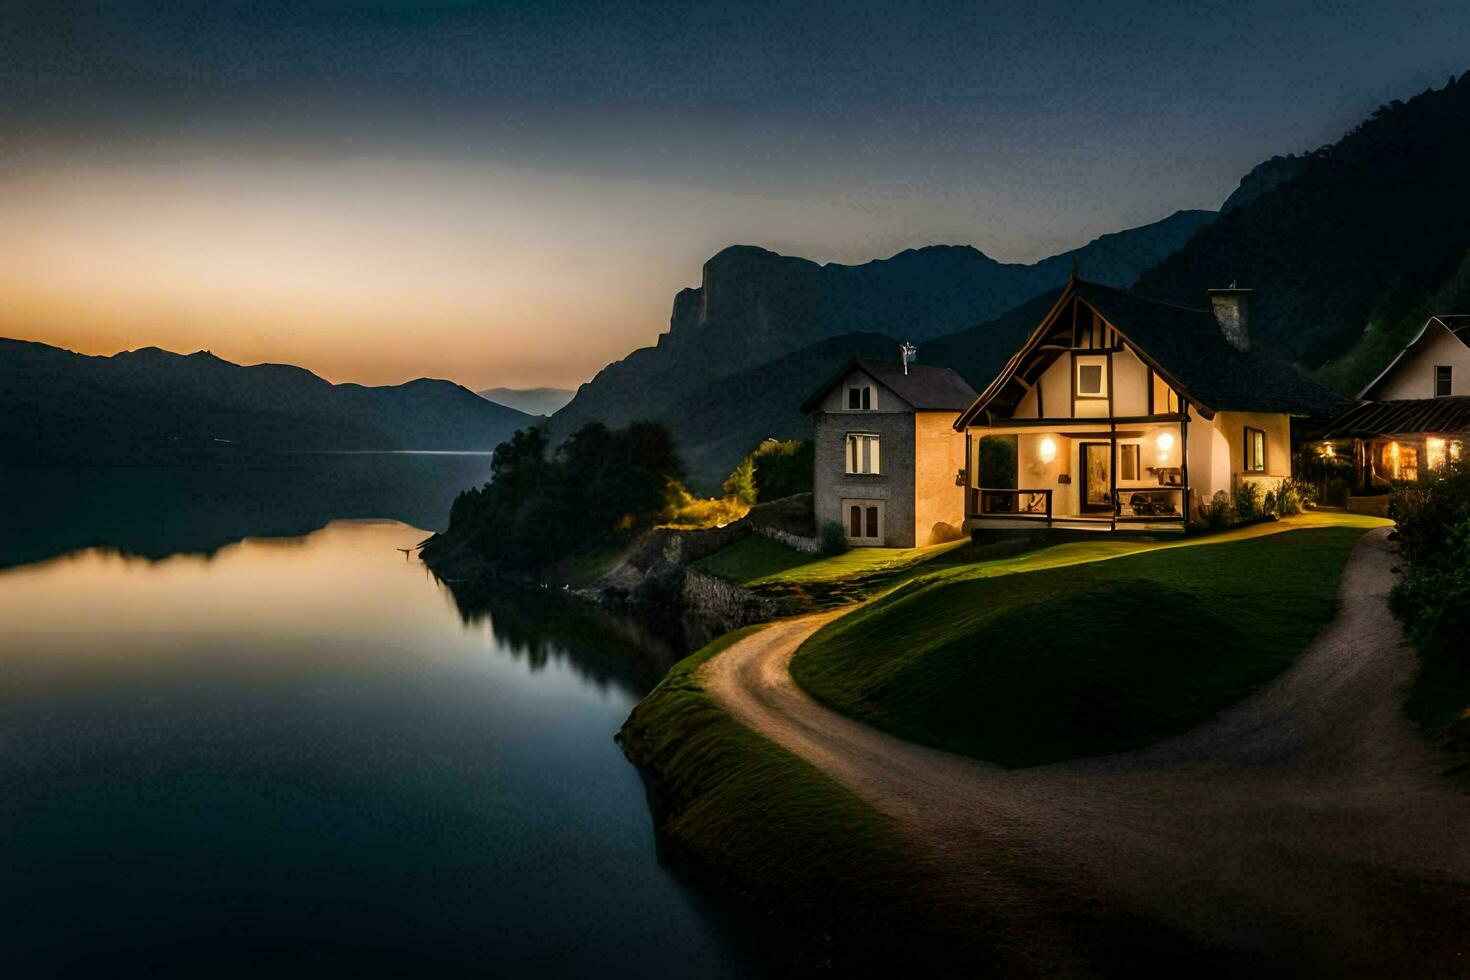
(862, 453)
(1165, 399)
(860, 399)
(1092, 381)
(1442, 375)
(1255, 450)
(1128, 461)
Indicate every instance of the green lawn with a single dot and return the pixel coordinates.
(771, 823)
(1098, 647)
(756, 560)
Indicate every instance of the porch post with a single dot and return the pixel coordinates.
(1113, 473)
(1184, 465)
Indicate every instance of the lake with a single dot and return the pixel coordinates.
(241, 730)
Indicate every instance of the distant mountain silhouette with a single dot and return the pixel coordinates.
(1264, 177)
(532, 401)
(721, 422)
(754, 306)
(56, 404)
(1349, 248)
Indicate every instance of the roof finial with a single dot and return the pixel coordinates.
(1074, 271)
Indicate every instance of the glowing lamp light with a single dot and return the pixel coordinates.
(1165, 442)
(1048, 449)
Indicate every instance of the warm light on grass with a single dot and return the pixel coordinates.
(1084, 648)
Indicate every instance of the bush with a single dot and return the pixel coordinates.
(775, 469)
(1217, 511)
(834, 538)
(1248, 501)
(1433, 596)
(1291, 497)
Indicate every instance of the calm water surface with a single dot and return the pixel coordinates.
(301, 752)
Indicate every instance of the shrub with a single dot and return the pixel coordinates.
(834, 538)
(1291, 497)
(1248, 501)
(1217, 511)
(773, 470)
(1433, 596)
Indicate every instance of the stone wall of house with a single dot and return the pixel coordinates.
(831, 484)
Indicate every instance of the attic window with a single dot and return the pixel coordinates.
(860, 398)
(1092, 377)
(1442, 376)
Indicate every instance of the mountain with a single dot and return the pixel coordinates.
(532, 401)
(718, 424)
(1350, 248)
(754, 305)
(1264, 177)
(56, 404)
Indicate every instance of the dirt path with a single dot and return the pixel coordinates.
(1307, 827)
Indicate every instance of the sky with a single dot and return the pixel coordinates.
(511, 193)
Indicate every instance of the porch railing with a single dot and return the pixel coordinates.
(1002, 502)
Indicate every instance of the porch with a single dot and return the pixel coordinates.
(1078, 476)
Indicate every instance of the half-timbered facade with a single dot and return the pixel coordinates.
(1120, 412)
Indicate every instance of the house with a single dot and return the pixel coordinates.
(1403, 440)
(1120, 412)
(1411, 422)
(887, 456)
(1435, 364)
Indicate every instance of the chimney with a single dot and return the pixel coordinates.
(1232, 308)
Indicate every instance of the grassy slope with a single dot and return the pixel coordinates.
(755, 560)
(1083, 655)
(772, 824)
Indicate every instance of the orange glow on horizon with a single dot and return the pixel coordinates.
(373, 271)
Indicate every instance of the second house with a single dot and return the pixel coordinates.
(888, 459)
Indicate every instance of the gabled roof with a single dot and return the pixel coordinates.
(1185, 347)
(1401, 417)
(1458, 324)
(924, 387)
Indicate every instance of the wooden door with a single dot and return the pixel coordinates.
(1097, 477)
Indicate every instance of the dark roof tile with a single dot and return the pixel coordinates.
(924, 387)
(1400, 417)
(1188, 344)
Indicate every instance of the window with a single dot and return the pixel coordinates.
(1442, 374)
(863, 520)
(1128, 468)
(862, 453)
(1092, 380)
(860, 398)
(1255, 450)
(1164, 400)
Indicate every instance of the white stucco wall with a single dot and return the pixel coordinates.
(1413, 375)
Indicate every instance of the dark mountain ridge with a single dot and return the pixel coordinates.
(532, 401)
(1349, 247)
(57, 404)
(753, 305)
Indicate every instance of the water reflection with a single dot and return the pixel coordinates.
(539, 625)
(199, 505)
(306, 755)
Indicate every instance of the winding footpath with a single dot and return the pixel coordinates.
(1306, 829)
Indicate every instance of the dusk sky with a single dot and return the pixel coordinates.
(512, 193)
